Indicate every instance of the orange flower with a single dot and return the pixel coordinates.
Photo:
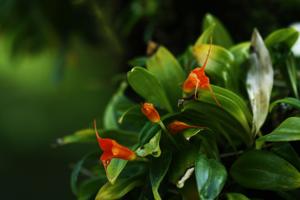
(178, 126)
(198, 79)
(112, 149)
(150, 112)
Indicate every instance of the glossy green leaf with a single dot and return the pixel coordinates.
(220, 122)
(114, 169)
(116, 166)
(291, 67)
(139, 61)
(147, 85)
(117, 105)
(288, 100)
(158, 170)
(219, 63)
(151, 148)
(264, 170)
(76, 171)
(221, 35)
(207, 36)
(183, 165)
(240, 53)
(210, 176)
(81, 136)
(209, 145)
(89, 188)
(164, 66)
(230, 102)
(187, 59)
(189, 133)
(286, 36)
(236, 196)
(286, 151)
(147, 132)
(132, 119)
(280, 43)
(233, 114)
(119, 189)
(259, 81)
(288, 130)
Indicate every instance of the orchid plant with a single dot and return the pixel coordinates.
(220, 121)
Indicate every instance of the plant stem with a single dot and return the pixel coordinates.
(141, 159)
(163, 127)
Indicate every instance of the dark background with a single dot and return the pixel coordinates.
(60, 62)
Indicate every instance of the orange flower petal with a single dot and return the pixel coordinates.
(190, 83)
(112, 149)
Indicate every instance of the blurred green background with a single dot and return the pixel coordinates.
(61, 60)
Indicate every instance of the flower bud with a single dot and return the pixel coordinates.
(178, 126)
(150, 112)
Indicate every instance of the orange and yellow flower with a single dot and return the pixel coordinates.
(112, 149)
(197, 79)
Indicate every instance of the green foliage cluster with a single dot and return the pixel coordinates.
(244, 148)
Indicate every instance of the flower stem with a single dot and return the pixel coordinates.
(163, 127)
(141, 159)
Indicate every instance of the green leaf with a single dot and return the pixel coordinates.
(187, 59)
(221, 35)
(119, 189)
(264, 170)
(286, 151)
(146, 85)
(206, 36)
(114, 169)
(183, 165)
(219, 63)
(89, 188)
(209, 145)
(236, 196)
(230, 102)
(117, 105)
(164, 66)
(286, 37)
(240, 53)
(220, 122)
(291, 69)
(152, 147)
(231, 119)
(189, 133)
(259, 81)
(76, 171)
(138, 61)
(116, 166)
(210, 176)
(147, 132)
(132, 119)
(81, 136)
(280, 43)
(288, 100)
(158, 170)
(288, 130)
